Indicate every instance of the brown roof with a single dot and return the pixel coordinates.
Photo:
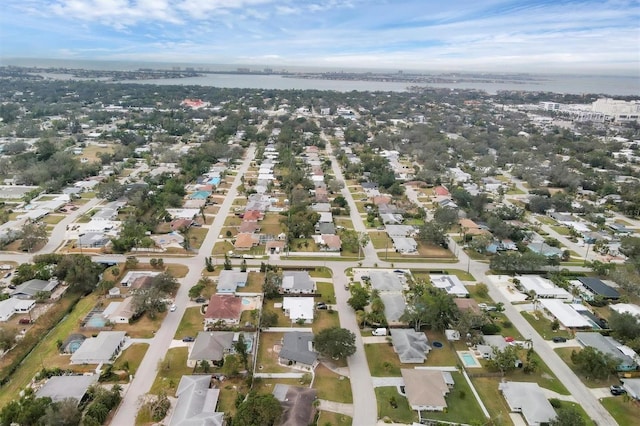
(472, 228)
(332, 241)
(246, 241)
(425, 387)
(466, 304)
(249, 227)
(178, 224)
(252, 215)
(381, 199)
(142, 283)
(276, 243)
(441, 190)
(224, 306)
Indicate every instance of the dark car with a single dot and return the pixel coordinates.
(321, 305)
(201, 300)
(188, 339)
(559, 339)
(617, 390)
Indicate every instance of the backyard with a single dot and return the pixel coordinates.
(388, 397)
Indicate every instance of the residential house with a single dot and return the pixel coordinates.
(246, 241)
(542, 287)
(449, 283)
(229, 281)
(30, 289)
(297, 282)
(223, 308)
(298, 404)
(404, 245)
(59, 388)
(326, 242)
(529, 400)
(197, 401)
(210, 346)
(120, 312)
(566, 314)
(597, 288)
(102, 349)
(492, 344)
(297, 351)
(14, 305)
(426, 389)
(299, 308)
(411, 346)
(608, 345)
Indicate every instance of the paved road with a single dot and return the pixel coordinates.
(59, 232)
(146, 373)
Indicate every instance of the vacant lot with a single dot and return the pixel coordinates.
(131, 358)
(382, 360)
(625, 412)
(190, 324)
(171, 370)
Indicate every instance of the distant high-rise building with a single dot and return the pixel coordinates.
(618, 110)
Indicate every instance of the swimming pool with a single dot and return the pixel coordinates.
(246, 301)
(469, 360)
(214, 181)
(96, 321)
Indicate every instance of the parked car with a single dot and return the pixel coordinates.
(559, 339)
(321, 305)
(201, 300)
(379, 332)
(188, 339)
(173, 308)
(617, 390)
(25, 321)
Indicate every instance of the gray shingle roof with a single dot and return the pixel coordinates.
(296, 346)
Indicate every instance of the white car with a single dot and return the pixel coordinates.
(173, 308)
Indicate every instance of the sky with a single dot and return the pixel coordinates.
(582, 36)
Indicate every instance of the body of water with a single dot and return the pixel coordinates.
(571, 84)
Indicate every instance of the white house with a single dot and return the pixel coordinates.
(298, 308)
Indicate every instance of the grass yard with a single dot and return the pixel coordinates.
(327, 291)
(625, 412)
(190, 324)
(268, 350)
(543, 326)
(91, 152)
(402, 414)
(283, 320)
(254, 283)
(562, 230)
(493, 400)
(271, 224)
(144, 328)
(171, 370)
(232, 221)
(382, 360)
(462, 275)
(229, 390)
(221, 248)
(462, 406)
(325, 319)
(546, 220)
(444, 356)
(380, 240)
(565, 354)
(47, 349)
(543, 376)
(197, 236)
(320, 272)
(432, 251)
(334, 419)
(176, 270)
(578, 407)
(332, 386)
(304, 245)
(132, 356)
(52, 219)
(344, 221)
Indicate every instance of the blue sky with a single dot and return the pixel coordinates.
(467, 35)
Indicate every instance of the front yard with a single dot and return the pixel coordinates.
(382, 359)
(332, 386)
(462, 406)
(393, 406)
(190, 324)
(565, 354)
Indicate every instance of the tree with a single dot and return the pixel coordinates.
(111, 190)
(227, 263)
(504, 360)
(7, 337)
(241, 349)
(593, 363)
(568, 416)
(433, 233)
(165, 283)
(271, 285)
(32, 234)
(430, 306)
(243, 265)
(268, 319)
(258, 410)
(624, 326)
(359, 298)
(335, 342)
(63, 413)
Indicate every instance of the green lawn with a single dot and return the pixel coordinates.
(543, 326)
(132, 356)
(190, 324)
(402, 414)
(333, 419)
(254, 283)
(267, 356)
(332, 386)
(624, 411)
(493, 400)
(327, 292)
(462, 406)
(562, 230)
(444, 356)
(462, 275)
(382, 360)
(546, 220)
(320, 272)
(578, 407)
(380, 240)
(171, 370)
(325, 319)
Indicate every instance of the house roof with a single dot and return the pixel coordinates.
(223, 306)
(229, 281)
(297, 404)
(246, 241)
(385, 281)
(567, 316)
(405, 244)
(211, 345)
(298, 346)
(98, 349)
(299, 307)
(326, 228)
(449, 283)
(61, 387)
(543, 287)
(394, 305)
(297, 280)
(252, 215)
(606, 345)
(381, 199)
(441, 191)
(197, 403)
(411, 346)
(248, 227)
(178, 224)
(332, 241)
(399, 230)
(32, 287)
(12, 305)
(530, 400)
(425, 388)
(122, 309)
(596, 286)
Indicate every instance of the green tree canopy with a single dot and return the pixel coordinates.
(335, 342)
(258, 410)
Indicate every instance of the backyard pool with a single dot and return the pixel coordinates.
(214, 181)
(95, 321)
(469, 360)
